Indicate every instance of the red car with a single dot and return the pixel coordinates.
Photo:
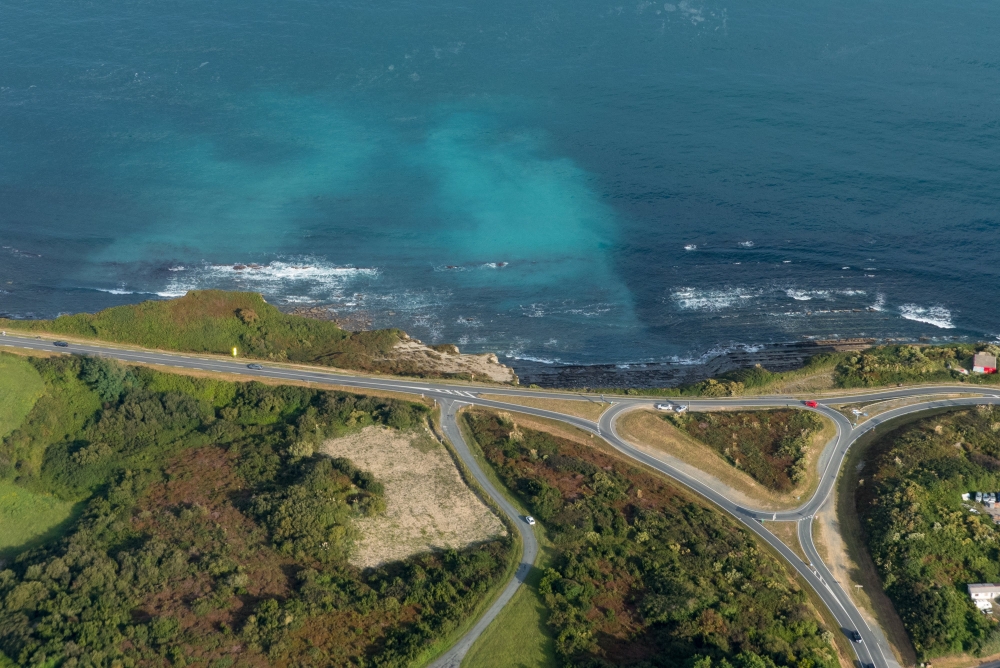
(811, 403)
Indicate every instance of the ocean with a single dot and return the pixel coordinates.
(567, 184)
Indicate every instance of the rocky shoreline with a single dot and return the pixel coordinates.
(773, 357)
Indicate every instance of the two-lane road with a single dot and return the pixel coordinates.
(872, 650)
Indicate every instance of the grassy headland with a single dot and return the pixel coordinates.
(641, 573)
(210, 533)
(215, 321)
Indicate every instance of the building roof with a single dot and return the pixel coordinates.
(990, 588)
(985, 360)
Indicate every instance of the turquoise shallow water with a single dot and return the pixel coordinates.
(564, 183)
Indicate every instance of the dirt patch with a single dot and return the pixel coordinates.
(429, 506)
(651, 434)
(586, 409)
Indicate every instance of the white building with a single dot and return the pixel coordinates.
(983, 594)
(984, 363)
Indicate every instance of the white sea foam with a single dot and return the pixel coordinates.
(691, 247)
(694, 299)
(514, 355)
(746, 244)
(116, 291)
(712, 353)
(879, 304)
(938, 316)
(307, 278)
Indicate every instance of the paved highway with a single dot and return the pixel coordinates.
(872, 650)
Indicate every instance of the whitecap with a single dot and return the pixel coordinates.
(714, 352)
(879, 304)
(938, 316)
(529, 358)
(746, 244)
(695, 299)
(308, 278)
(806, 295)
(691, 247)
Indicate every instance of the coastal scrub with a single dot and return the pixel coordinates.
(642, 574)
(210, 533)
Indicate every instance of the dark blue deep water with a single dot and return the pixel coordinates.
(560, 181)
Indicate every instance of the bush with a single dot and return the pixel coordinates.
(204, 517)
(642, 575)
(926, 546)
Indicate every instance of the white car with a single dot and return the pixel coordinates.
(681, 409)
(530, 520)
(664, 407)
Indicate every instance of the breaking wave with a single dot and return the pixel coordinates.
(938, 316)
(304, 280)
(694, 299)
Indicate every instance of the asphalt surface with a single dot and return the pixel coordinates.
(872, 650)
(453, 657)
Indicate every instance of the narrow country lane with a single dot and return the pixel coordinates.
(453, 657)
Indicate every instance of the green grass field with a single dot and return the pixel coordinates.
(20, 387)
(26, 518)
(519, 636)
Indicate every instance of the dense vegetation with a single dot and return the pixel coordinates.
(926, 543)
(210, 532)
(875, 367)
(770, 446)
(215, 321)
(643, 576)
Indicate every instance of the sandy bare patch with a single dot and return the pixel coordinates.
(428, 504)
(584, 408)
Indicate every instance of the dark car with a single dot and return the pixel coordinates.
(255, 367)
(61, 344)
(855, 636)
